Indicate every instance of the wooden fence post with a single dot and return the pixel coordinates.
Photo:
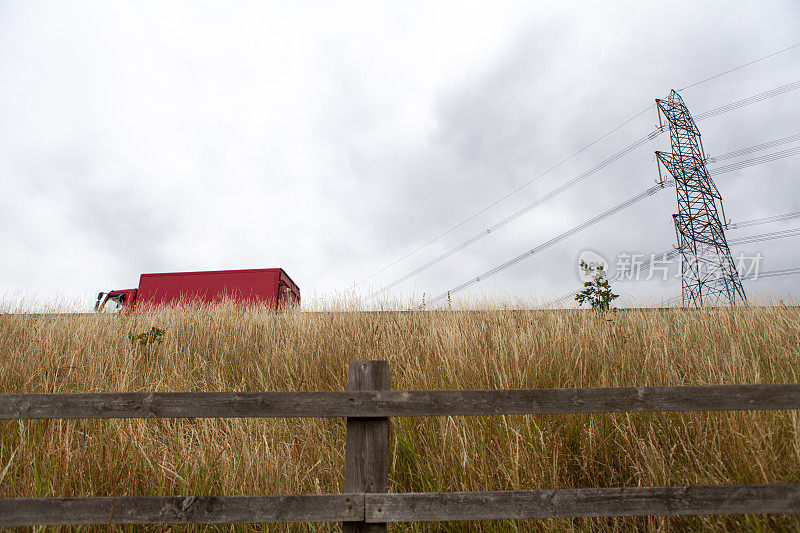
(366, 463)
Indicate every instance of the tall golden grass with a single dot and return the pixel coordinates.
(222, 349)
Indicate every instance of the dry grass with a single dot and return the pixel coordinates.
(216, 350)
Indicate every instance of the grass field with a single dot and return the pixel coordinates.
(221, 350)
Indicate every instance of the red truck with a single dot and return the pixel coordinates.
(262, 286)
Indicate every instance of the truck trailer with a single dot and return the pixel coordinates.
(270, 287)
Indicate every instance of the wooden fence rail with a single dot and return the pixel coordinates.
(368, 406)
(381, 404)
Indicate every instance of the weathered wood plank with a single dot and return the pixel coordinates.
(410, 507)
(592, 400)
(623, 501)
(399, 403)
(181, 510)
(178, 405)
(366, 464)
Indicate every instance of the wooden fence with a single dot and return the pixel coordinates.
(368, 404)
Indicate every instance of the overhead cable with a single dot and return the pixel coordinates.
(740, 66)
(555, 240)
(749, 277)
(782, 234)
(539, 201)
(755, 161)
(764, 220)
(471, 217)
(748, 101)
(773, 273)
(512, 217)
(502, 198)
(670, 254)
(754, 148)
(464, 244)
(619, 275)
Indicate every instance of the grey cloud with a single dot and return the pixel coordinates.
(491, 137)
(336, 144)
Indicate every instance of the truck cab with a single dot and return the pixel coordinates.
(115, 301)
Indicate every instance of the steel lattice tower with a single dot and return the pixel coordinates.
(708, 272)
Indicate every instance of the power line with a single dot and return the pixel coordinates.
(764, 220)
(740, 67)
(619, 275)
(637, 115)
(502, 198)
(754, 148)
(748, 101)
(614, 157)
(782, 234)
(675, 299)
(773, 273)
(555, 240)
(670, 254)
(665, 256)
(507, 220)
(755, 161)
(560, 299)
(581, 227)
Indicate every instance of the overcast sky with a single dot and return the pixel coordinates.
(331, 139)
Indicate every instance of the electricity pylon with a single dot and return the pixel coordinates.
(708, 272)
